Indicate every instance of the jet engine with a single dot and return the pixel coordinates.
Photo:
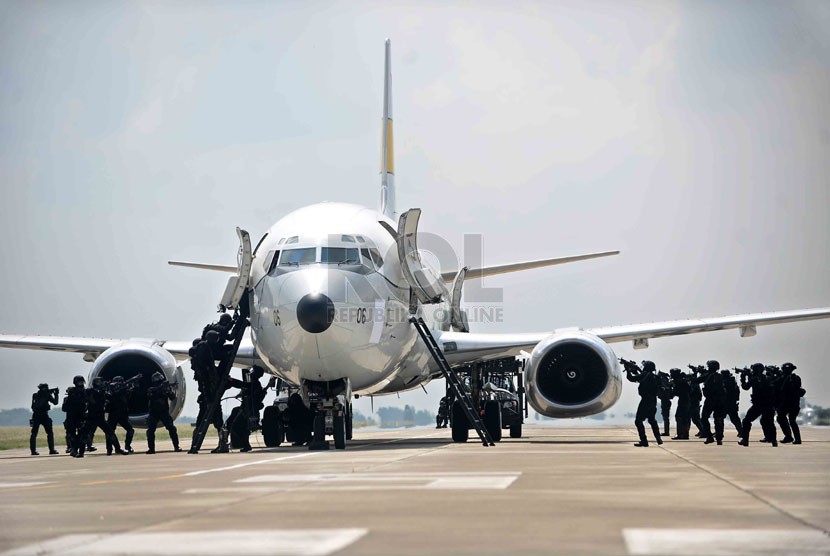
(573, 374)
(140, 357)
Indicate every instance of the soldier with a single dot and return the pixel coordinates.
(224, 327)
(442, 418)
(96, 403)
(683, 391)
(695, 397)
(120, 392)
(647, 409)
(159, 395)
(74, 405)
(715, 401)
(788, 401)
(242, 418)
(733, 398)
(763, 403)
(665, 393)
(41, 402)
(299, 419)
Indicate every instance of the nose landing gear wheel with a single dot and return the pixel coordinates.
(460, 423)
(339, 432)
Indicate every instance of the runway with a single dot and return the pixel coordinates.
(556, 491)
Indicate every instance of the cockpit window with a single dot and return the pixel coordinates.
(340, 255)
(304, 255)
(361, 239)
(292, 239)
(376, 257)
(347, 239)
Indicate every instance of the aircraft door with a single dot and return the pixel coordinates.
(237, 284)
(425, 283)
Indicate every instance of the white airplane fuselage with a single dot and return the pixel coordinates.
(330, 302)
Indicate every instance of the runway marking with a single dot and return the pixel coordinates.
(241, 465)
(388, 481)
(724, 542)
(18, 485)
(277, 542)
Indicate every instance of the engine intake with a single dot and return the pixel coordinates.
(573, 374)
(136, 357)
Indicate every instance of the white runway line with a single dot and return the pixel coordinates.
(241, 465)
(389, 481)
(725, 542)
(16, 485)
(267, 542)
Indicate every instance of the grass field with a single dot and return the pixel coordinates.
(18, 437)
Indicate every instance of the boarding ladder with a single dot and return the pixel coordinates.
(223, 372)
(452, 380)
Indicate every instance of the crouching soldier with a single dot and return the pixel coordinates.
(159, 395)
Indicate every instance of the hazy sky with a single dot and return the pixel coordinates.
(694, 137)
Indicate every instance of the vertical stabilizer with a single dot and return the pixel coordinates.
(387, 162)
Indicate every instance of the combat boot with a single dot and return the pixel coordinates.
(709, 440)
(786, 440)
(150, 452)
(797, 441)
(53, 452)
(641, 444)
(744, 441)
(35, 453)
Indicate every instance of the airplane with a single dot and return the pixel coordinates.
(331, 290)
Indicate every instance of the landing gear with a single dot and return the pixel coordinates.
(459, 423)
(349, 427)
(273, 431)
(492, 419)
(516, 430)
(339, 432)
(318, 438)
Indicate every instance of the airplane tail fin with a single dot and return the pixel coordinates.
(387, 161)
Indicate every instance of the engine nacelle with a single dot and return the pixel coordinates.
(573, 374)
(143, 357)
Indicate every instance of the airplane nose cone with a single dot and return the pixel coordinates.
(315, 312)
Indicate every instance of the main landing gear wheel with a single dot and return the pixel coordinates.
(492, 419)
(349, 422)
(273, 432)
(460, 424)
(318, 439)
(516, 430)
(339, 432)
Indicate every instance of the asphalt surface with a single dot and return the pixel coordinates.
(555, 491)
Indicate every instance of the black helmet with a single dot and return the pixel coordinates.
(195, 342)
(712, 365)
(675, 372)
(757, 367)
(788, 367)
(117, 379)
(78, 380)
(157, 377)
(97, 382)
(257, 372)
(649, 366)
(42, 386)
(212, 337)
(225, 319)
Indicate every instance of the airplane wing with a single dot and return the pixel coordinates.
(461, 347)
(524, 265)
(233, 269)
(93, 347)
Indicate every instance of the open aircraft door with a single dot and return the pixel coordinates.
(458, 317)
(426, 284)
(237, 284)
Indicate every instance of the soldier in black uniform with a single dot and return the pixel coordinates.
(159, 395)
(695, 397)
(683, 391)
(763, 404)
(647, 409)
(714, 403)
(42, 400)
(74, 405)
(96, 404)
(733, 399)
(224, 327)
(788, 400)
(120, 392)
(299, 418)
(242, 418)
(665, 393)
(443, 417)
